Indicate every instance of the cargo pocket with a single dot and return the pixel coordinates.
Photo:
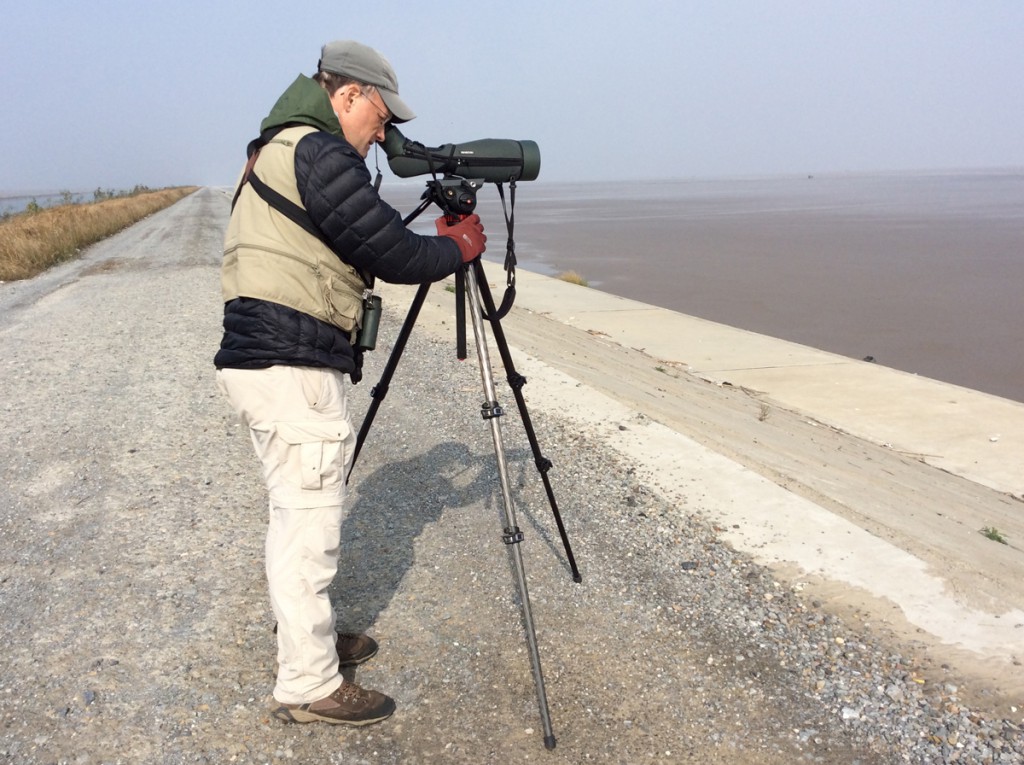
(316, 452)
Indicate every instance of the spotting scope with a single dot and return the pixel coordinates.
(493, 160)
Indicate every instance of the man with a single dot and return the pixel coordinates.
(307, 234)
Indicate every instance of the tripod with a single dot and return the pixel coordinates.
(455, 197)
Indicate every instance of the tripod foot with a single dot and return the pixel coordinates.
(549, 742)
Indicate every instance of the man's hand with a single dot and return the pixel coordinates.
(468, 233)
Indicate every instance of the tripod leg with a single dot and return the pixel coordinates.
(460, 314)
(380, 390)
(517, 381)
(513, 536)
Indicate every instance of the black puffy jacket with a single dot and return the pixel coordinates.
(335, 188)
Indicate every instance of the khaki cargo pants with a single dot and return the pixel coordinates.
(300, 427)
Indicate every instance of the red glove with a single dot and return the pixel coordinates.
(468, 233)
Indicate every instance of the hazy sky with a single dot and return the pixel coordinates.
(112, 94)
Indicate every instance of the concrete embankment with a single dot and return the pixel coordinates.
(868, 485)
(881, 480)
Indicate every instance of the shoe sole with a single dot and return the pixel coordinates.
(290, 716)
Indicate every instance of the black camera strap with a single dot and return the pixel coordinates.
(283, 205)
(297, 215)
(510, 252)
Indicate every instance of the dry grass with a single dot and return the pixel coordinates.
(573, 278)
(33, 241)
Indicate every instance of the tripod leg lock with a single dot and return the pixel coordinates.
(513, 536)
(491, 409)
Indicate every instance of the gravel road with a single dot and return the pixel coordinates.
(132, 600)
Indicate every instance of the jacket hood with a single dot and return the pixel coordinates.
(304, 102)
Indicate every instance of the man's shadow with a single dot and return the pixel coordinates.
(389, 510)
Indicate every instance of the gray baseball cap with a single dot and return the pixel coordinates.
(363, 64)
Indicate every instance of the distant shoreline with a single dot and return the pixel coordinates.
(393, 182)
(919, 270)
(16, 204)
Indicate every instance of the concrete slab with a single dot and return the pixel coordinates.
(969, 433)
(776, 525)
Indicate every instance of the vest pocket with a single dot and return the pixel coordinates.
(344, 303)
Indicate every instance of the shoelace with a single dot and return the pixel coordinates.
(349, 692)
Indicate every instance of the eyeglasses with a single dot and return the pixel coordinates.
(384, 116)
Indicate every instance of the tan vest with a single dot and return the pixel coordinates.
(267, 256)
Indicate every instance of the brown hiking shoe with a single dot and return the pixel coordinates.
(349, 705)
(355, 649)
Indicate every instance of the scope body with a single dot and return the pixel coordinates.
(492, 160)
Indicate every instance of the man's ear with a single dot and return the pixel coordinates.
(344, 97)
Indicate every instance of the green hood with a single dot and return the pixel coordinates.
(304, 102)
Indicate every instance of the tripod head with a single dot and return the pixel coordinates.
(455, 196)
